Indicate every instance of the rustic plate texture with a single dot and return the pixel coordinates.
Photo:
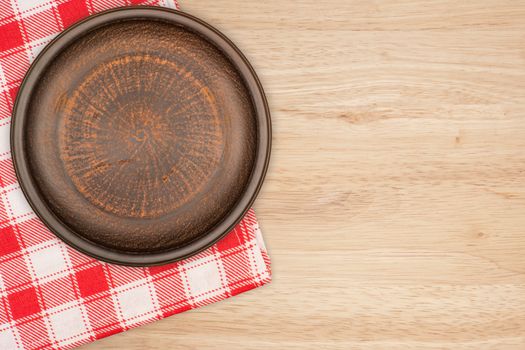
(141, 135)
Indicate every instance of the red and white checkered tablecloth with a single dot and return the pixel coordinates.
(51, 296)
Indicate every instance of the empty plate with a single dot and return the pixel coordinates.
(141, 135)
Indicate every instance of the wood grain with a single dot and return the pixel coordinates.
(394, 204)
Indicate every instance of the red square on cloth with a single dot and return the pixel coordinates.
(155, 270)
(230, 241)
(11, 36)
(23, 303)
(8, 241)
(91, 281)
(72, 11)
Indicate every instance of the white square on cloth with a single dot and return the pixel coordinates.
(5, 146)
(68, 325)
(8, 339)
(15, 203)
(135, 302)
(48, 263)
(204, 278)
(25, 5)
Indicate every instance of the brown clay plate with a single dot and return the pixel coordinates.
(141, 136)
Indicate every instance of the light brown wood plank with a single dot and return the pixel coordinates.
(394, 204)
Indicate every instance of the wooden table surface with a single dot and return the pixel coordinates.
(394, 206)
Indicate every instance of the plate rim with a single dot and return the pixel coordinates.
(254, 88)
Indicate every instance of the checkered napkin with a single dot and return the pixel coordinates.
(53, 297)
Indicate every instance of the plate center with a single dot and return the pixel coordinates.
(141, 135)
